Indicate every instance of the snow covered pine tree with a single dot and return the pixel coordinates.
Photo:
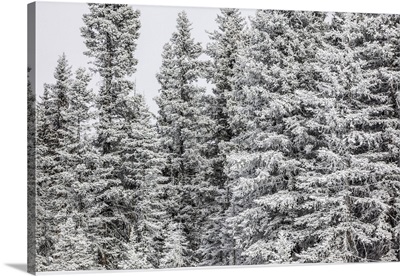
(53, 182)
(143, 162)
(355, 175)
(273, 139)
(183, 128)
(125, 200)
(110, 34)
(60, 152)
(217, 245)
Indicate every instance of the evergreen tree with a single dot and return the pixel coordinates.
(72, 248)
(59, 158)
(380, 50)
(273, 137)
(53, 181)
(328, 228)
(358, 156)
(82, 114)
(44, 241)
(182, 126)
(110, 34)
(224, 49)
(57, 161)
(176, 246)
(142, 164)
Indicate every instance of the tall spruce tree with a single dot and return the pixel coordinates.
(142, 164)
(58, 159)
(380, 51)
(273, 137)
(182, 126)
(327, 229)
(53, 181)
(44, 241)
(224, 49)
(110, 34)
(346, 218)
(73, 248)
(82, 116)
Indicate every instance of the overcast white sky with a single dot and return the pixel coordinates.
(58, 30)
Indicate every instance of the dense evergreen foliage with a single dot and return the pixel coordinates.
(224, 50)
(183, 127)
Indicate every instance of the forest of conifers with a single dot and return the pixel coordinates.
(292, 157)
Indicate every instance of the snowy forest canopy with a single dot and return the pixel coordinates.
(293, 158)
